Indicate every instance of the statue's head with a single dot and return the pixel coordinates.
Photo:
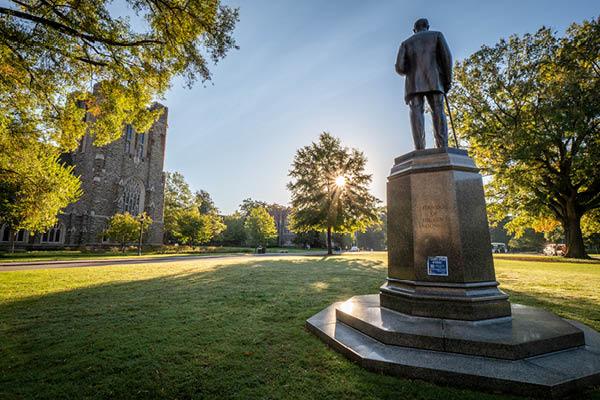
(421, 25)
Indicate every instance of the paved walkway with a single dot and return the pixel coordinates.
(31, 265)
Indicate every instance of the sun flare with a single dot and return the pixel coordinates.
(340, 181)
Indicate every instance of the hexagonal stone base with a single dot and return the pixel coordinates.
(553, 374)
(529, 332)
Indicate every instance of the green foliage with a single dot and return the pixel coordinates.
(314, 239)
(194, 228)
(259, 226)
(178, 197)
(189, 218)
(590, 223)
(529, 240)
(319, 203)
(123, 228)
(249, 204)
(205, 203)
(375, 236)
(590, 226)
(234, 233)
(35, 185)
(61, 61)
(529, 109)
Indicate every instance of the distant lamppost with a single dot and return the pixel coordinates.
(143, 219)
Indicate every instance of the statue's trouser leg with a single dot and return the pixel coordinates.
(440, 126)
(417, 120)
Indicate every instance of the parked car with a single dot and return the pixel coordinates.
(354, 248)
(499, 248)
(555, 249)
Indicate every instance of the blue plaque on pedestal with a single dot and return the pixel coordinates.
(437, 266)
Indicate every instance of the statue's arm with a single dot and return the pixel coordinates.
(401, 62)
(445, 60)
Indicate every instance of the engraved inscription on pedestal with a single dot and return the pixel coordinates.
(430, 216)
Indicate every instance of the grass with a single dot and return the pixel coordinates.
(222, 328)
(594, 258)
(70, 255)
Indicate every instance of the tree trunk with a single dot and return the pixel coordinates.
(329, 248)
(13, 239)
(140, 241)
(574, 237)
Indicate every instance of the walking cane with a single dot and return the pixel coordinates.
(451, 121)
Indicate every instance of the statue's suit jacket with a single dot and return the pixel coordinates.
(426, 61)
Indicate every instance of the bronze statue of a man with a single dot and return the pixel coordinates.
(425, 60)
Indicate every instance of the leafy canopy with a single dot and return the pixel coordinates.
(194, 228)
(189, 218)
(318, 202)
(125, 228)
(259, 226)
(73, 67)
(34, 185)
(51, 53)
(529, 109)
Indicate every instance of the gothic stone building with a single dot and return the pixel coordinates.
(125, 175)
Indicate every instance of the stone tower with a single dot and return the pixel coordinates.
(125, 175)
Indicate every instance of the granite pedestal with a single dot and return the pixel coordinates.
(436, 209)
(440, 315)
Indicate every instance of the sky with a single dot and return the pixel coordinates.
(305, 67)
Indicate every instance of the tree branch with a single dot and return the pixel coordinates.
(75, 33)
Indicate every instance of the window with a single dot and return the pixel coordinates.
(5, 234)
(133, 199)
(128, 138)
(141, 139)
(54, 235)
(5, 237)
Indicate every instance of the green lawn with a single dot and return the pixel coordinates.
(221, 328)
(70, 255)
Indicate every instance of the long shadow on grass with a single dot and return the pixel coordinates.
(577, 308)
(232, 332)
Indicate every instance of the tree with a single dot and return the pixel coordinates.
(30, 173)
(314, 239)
(234, 233)
(51, 56)
(249, 204)
(590, 225)
(123, 228)
(529, 110)
(178, 197)
(180, 204)
(330, 189)
(205, 203)
(259, 226)
(194, 228)
(375, 236)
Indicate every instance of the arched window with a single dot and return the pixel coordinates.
(133, 197)
(22, 234)
(54, 235)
